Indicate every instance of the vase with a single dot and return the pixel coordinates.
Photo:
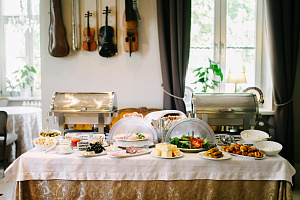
(25, 92)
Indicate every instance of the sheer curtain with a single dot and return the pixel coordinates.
(174, 25)
(283, 23)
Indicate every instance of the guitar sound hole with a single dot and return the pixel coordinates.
(127, 39)
(133, 39)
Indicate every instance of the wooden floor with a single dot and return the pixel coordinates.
(6, 189)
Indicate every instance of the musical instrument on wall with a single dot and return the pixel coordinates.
(107, 47)
(58, 46)
(130, 34)
(76, 36)
(89, 44)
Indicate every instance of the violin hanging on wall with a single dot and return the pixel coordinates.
(130, 34)
(58, 46)
(89, 44)
(107, 47)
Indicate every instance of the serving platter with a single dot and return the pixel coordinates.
(253, 158)
(131, 140)
(181, 155)
(225, 156)
(123, 154)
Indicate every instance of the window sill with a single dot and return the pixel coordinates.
(24, 98)
(264, 111)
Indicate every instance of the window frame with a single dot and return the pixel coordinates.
(29, 46)
(220, 45)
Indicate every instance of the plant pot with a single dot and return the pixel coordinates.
(25, 92)
(14, 93)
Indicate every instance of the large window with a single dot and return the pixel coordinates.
(19, 41)
(228, 32)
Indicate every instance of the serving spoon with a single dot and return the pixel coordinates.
(47, 123)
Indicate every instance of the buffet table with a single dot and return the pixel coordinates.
(41, 175)
(26, 122)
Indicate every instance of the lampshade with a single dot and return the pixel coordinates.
(236, 76)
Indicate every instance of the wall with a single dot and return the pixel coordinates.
(136, 79)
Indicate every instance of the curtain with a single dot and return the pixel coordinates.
(282, 24)
(174, 25)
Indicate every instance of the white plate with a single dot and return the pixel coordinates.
(92, 155)
(225, 157)
(191, 150)
(181, 154)
(125, 155)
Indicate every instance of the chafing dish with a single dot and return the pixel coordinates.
(96, 108)
(225, 109)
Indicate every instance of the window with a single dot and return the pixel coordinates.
(228, 32)
(19, 41)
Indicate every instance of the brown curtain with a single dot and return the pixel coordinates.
(174, 25)
(282, 24)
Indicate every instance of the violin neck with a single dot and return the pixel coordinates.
(130, 13)
(88, 23)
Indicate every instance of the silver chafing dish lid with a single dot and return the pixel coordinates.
(225, 102)
(84, 102)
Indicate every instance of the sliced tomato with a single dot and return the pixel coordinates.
(196, 143)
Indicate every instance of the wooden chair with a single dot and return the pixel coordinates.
(3, 102)
(6, 139)
(142, 110)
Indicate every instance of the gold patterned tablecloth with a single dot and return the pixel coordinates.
(175, 190)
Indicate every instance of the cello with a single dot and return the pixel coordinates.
(130, 35)
(58, 46)
(89, 44)
(107, 47)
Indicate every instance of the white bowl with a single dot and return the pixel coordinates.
(255, 136)
(269, 144)
(50, 131)
(45, 146)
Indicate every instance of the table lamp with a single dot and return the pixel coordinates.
(236, 76)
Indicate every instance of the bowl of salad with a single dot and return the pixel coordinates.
(190, 144)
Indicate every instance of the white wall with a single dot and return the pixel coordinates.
(136, 79)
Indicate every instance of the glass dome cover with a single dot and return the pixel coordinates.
(189, 125)
(132, 131)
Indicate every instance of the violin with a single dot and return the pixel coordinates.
(89, 44)
(107, 47)
(130, 35)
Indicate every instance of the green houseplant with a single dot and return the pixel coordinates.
(25, 76)
(206, 77)
(25, 79)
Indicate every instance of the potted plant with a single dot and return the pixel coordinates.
(207, 76)
(25, 79)
(12, 87)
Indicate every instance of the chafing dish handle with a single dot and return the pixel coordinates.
(226, 110)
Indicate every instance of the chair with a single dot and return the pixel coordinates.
(6, 139)
(3, 102)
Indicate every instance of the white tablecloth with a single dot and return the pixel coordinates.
(36, 165)
(26, 122)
